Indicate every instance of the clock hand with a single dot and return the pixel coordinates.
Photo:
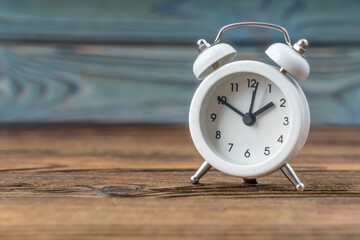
(230, 106)
(253, 98)
(263, 109)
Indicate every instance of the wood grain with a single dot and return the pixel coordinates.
(175, 21)
(148, 84)
(111, 182)
(115, 61)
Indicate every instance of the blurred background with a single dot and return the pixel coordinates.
(114, 61)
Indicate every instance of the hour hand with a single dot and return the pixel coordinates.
(263, 109)
(230, 106)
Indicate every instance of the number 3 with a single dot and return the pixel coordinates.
(286, 121)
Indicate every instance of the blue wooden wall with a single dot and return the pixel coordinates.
(117, 61)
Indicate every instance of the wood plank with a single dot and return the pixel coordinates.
(147, 84)
(111, 182)
(337, 148)
(159, 21)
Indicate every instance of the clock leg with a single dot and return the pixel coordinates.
(203, 169)
(291, 175)
(250, 180)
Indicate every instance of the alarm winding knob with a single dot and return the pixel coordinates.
(202, 44)
(301, 45)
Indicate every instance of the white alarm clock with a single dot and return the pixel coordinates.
(249, 118)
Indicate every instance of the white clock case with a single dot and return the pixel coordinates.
(299, 112)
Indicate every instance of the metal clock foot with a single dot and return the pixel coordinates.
(250, 180)
(203, 169)
(291, 175)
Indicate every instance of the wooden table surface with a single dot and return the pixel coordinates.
(113, 182)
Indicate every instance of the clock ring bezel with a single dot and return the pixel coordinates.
(285, 154)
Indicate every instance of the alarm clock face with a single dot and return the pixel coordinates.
(246, 118)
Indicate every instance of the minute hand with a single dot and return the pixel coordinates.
(263, 109)
(230, 106)
(253, 98)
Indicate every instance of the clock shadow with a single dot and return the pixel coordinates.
(225, 189)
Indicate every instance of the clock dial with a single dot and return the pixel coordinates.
(245, 118)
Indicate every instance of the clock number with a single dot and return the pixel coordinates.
(280, 139)
(247, 154)
(231, 146)
(251, 83)
(234, 87)
(213, 117)
(221, 99)
(269, 88)
(267, 151)
(218, 135)
(283, 101)
(286, 121)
